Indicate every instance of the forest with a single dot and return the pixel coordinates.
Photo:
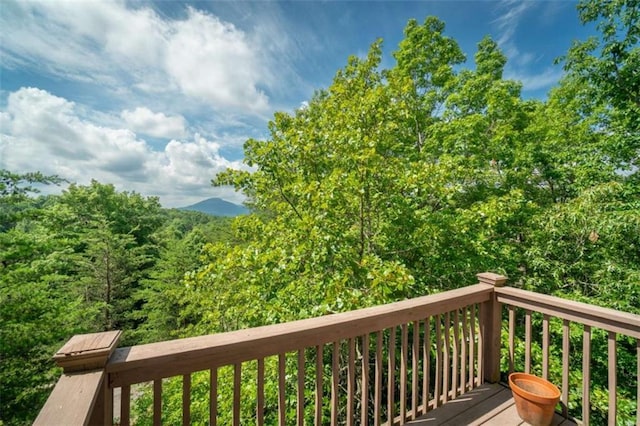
(390, 184)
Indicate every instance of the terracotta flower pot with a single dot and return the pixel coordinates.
(535, 398)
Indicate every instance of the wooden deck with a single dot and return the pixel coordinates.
(489, 404)
(431, 345)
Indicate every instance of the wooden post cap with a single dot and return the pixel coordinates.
(87, 351)
(495, 280)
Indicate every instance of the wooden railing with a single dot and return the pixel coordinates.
(588, 317)
(383, 365)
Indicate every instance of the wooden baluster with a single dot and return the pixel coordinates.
(213, 396)
(463, 354)
(377, 406)
(186, 399)
(300, 395)
(106, 397)
(527, 341)
(565, 368)
(586, 373)
(403, 373)
(613, 360)
(391, 382)
(364, 397)
(456, 354)
(335, 382)
(472, 347)
(426, 364)
(480, 367)
(351, 381)
(125, 405)
(282, 409)
(237, 386)
(447, 358)
(157, 402)
(415, 355)
(260, 393)
(319, 390)
(438, 377)
(512, 333)
(545, 347)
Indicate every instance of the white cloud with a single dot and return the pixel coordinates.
(44, 132)
(159, 125)
(213, 60)
(520, 65)
(189, 164)
(5, 121)
(134, 35)
(508, 21)
(536, 81)
(114, 44)
(29, 40)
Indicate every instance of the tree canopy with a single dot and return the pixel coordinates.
(391, 183)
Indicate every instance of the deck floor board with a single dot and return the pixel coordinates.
(488, 405)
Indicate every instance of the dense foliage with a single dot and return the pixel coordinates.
(398, 182)
(91, 259)
(391, 183)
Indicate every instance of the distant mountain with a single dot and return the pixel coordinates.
(217, 207)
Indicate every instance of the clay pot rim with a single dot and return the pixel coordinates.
(540, 399)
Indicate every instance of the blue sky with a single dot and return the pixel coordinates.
(156, 97)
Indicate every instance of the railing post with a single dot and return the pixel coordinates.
(82, 395)
(490, 327)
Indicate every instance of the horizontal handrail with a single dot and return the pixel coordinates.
(583, 313)
(141, 363)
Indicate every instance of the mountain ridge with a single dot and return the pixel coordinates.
(217, 207)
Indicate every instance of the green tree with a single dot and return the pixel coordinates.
(110, 268)
(21, 185)
(68, 264)
(114, 248)
(15, 191)
(584, 150)
(609, 65)
(37, 311)
(163, 298)
(359, 195)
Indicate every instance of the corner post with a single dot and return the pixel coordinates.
(85, 353)
(490, 328)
